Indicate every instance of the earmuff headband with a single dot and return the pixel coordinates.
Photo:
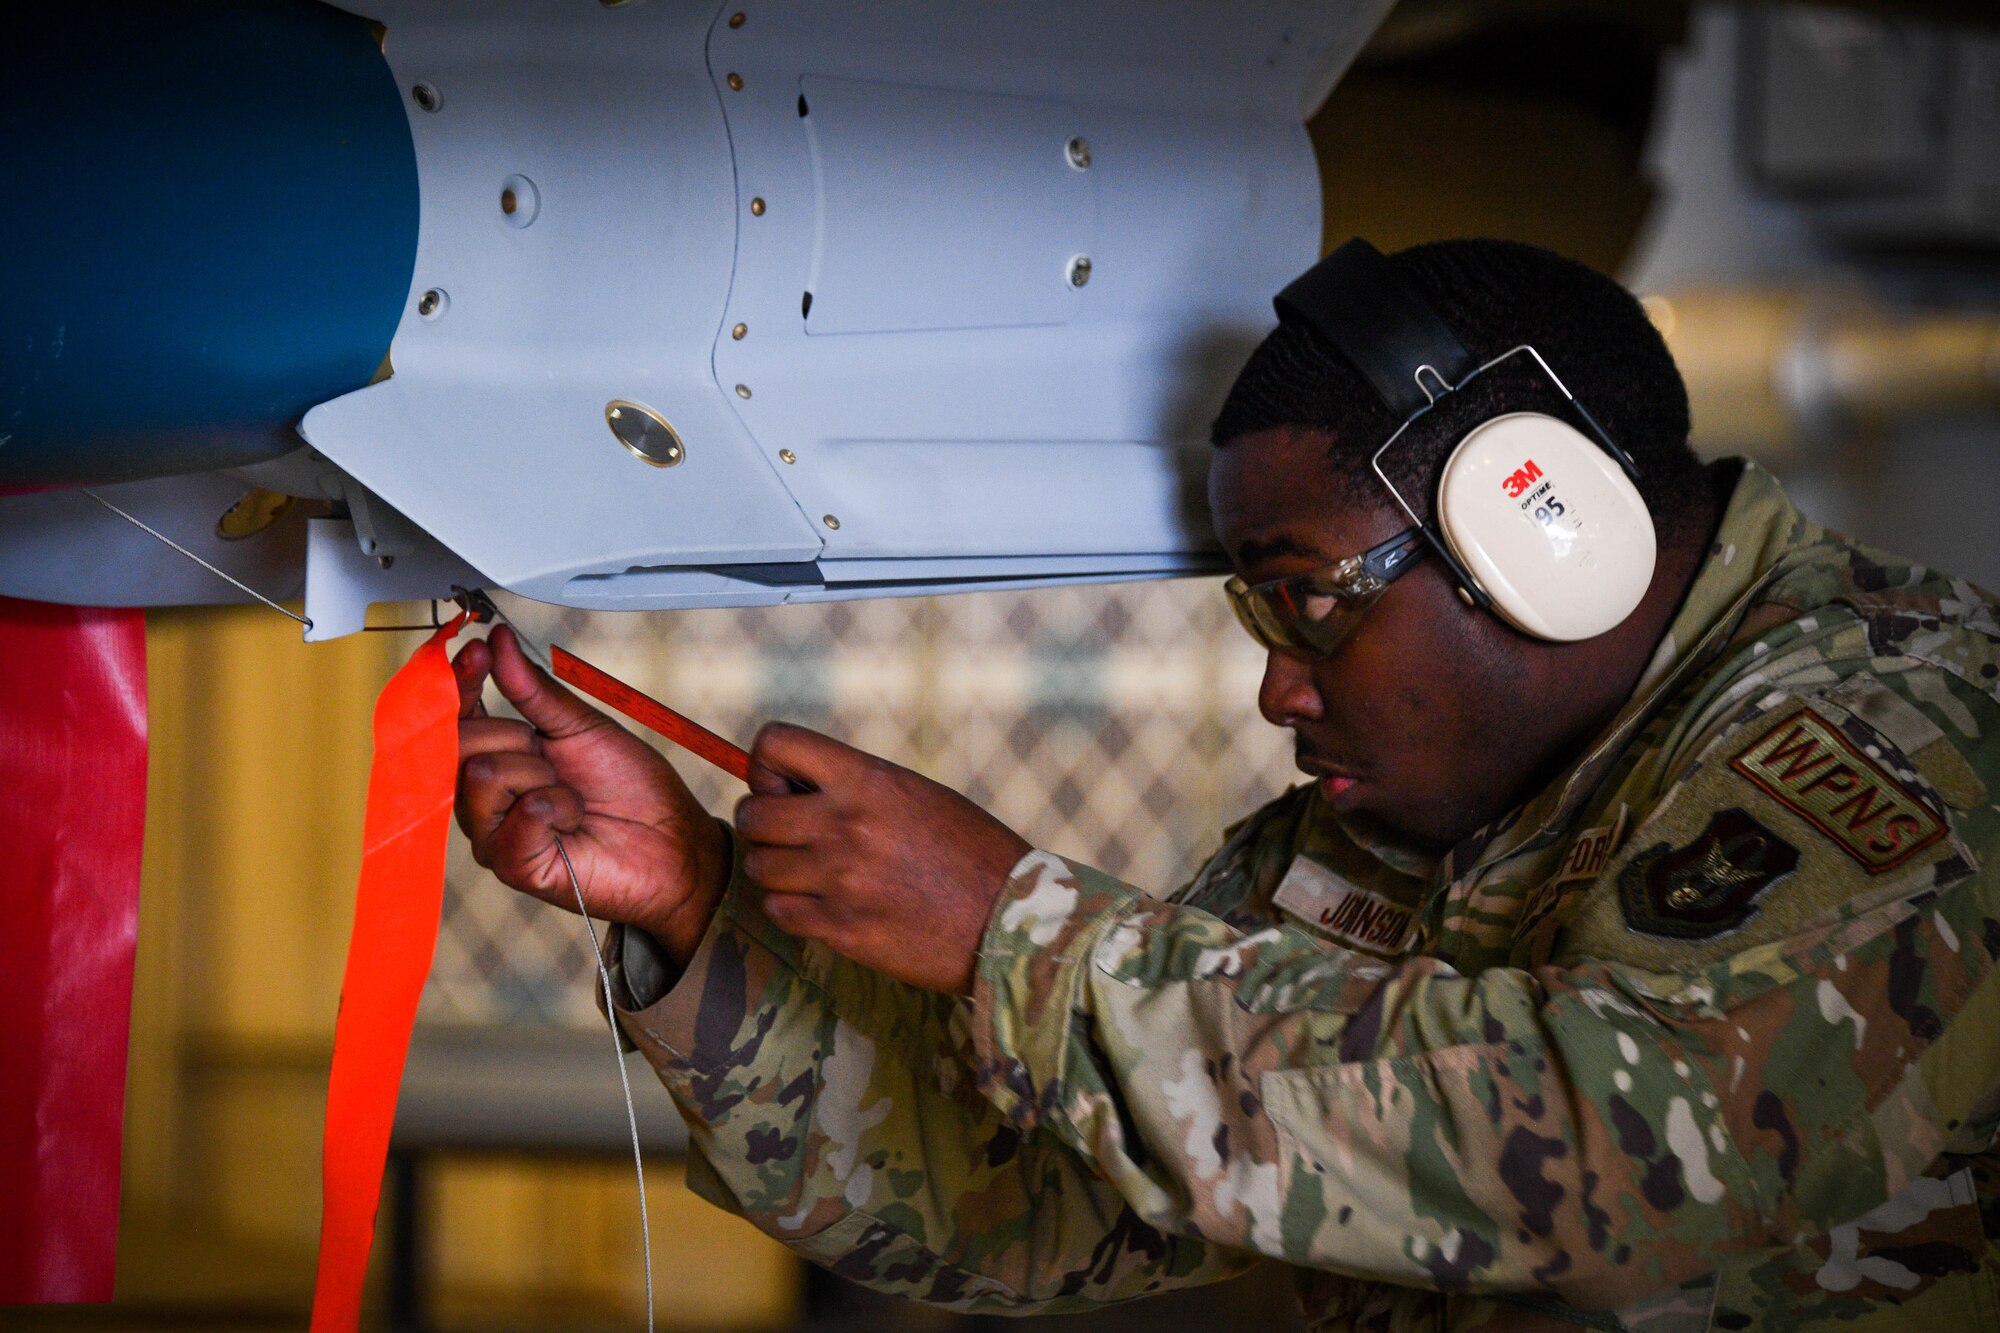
(1369, 310)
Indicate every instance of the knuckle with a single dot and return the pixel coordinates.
(864, 834)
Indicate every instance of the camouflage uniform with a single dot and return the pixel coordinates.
(1706, 1035)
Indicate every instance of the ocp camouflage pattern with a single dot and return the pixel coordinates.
(1535, 1115)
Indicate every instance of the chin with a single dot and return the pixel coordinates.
(1409, 820)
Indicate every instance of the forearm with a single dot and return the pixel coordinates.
(837, 1111)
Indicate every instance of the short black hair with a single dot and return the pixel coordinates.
(1495, 295)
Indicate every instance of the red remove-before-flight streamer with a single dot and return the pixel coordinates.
(650, 713)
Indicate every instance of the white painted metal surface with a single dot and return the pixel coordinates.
(633, 202)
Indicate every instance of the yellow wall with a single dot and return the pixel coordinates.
(259, 759)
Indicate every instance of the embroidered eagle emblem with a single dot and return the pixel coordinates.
(1709, 886)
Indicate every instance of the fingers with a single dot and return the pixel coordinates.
(554, 711)
(793, 754)
(470, 666)
(489, 785)
(784, 820)
(489, 735)
(784, 869)
(768, 781)
(519, 849)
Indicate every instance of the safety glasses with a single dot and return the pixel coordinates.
(1311, 613)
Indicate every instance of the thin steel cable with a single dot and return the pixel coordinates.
(624, 1078)
(533, 651)
(224, 576)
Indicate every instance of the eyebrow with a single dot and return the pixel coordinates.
(1256, 552)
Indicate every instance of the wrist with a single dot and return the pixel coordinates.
(679, 929)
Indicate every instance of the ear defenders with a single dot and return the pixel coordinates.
(1537, 521)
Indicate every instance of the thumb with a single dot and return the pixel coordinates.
(548, 707)
(791, 758)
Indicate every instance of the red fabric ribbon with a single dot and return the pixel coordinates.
(72, 817)
(396, 911)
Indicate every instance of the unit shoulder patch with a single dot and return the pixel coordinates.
(1708, 887)
(1816, 771)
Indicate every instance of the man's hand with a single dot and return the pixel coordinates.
(878, 863)
(645, 851)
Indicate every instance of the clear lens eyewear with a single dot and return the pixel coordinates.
(1313, 612)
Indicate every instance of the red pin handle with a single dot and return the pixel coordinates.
(650, 713)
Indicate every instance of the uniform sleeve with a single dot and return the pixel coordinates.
(837, 1111)
(1616, 1121)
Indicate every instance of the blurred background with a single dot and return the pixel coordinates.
(1808, 198)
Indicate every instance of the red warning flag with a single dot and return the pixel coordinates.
(410, 787)
(72, 816)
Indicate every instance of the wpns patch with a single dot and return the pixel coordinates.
(1709, 886)
(1810, 765)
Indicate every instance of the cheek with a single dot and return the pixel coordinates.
(1410, 687)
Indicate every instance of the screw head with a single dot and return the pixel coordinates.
(787, 456)
(1077, 150)
(1079, 270)
(735, 82)
(426, 97)
(740, 332)
(432, 303)
(831, 522)
(742, 391)
(756, 208)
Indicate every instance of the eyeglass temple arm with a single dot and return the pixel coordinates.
(1388, 560)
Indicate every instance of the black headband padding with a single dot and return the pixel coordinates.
(1380, 322)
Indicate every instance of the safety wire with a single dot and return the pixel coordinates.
(624, 1078)
(534, 652)
(221, 574)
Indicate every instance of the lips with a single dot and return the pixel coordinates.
(1335, 780)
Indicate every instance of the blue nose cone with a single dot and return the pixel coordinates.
(208, 222)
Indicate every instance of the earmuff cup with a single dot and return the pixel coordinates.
(1548, 525)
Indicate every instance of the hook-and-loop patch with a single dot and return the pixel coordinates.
(1815, 770)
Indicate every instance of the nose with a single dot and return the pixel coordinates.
(1287, 695)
